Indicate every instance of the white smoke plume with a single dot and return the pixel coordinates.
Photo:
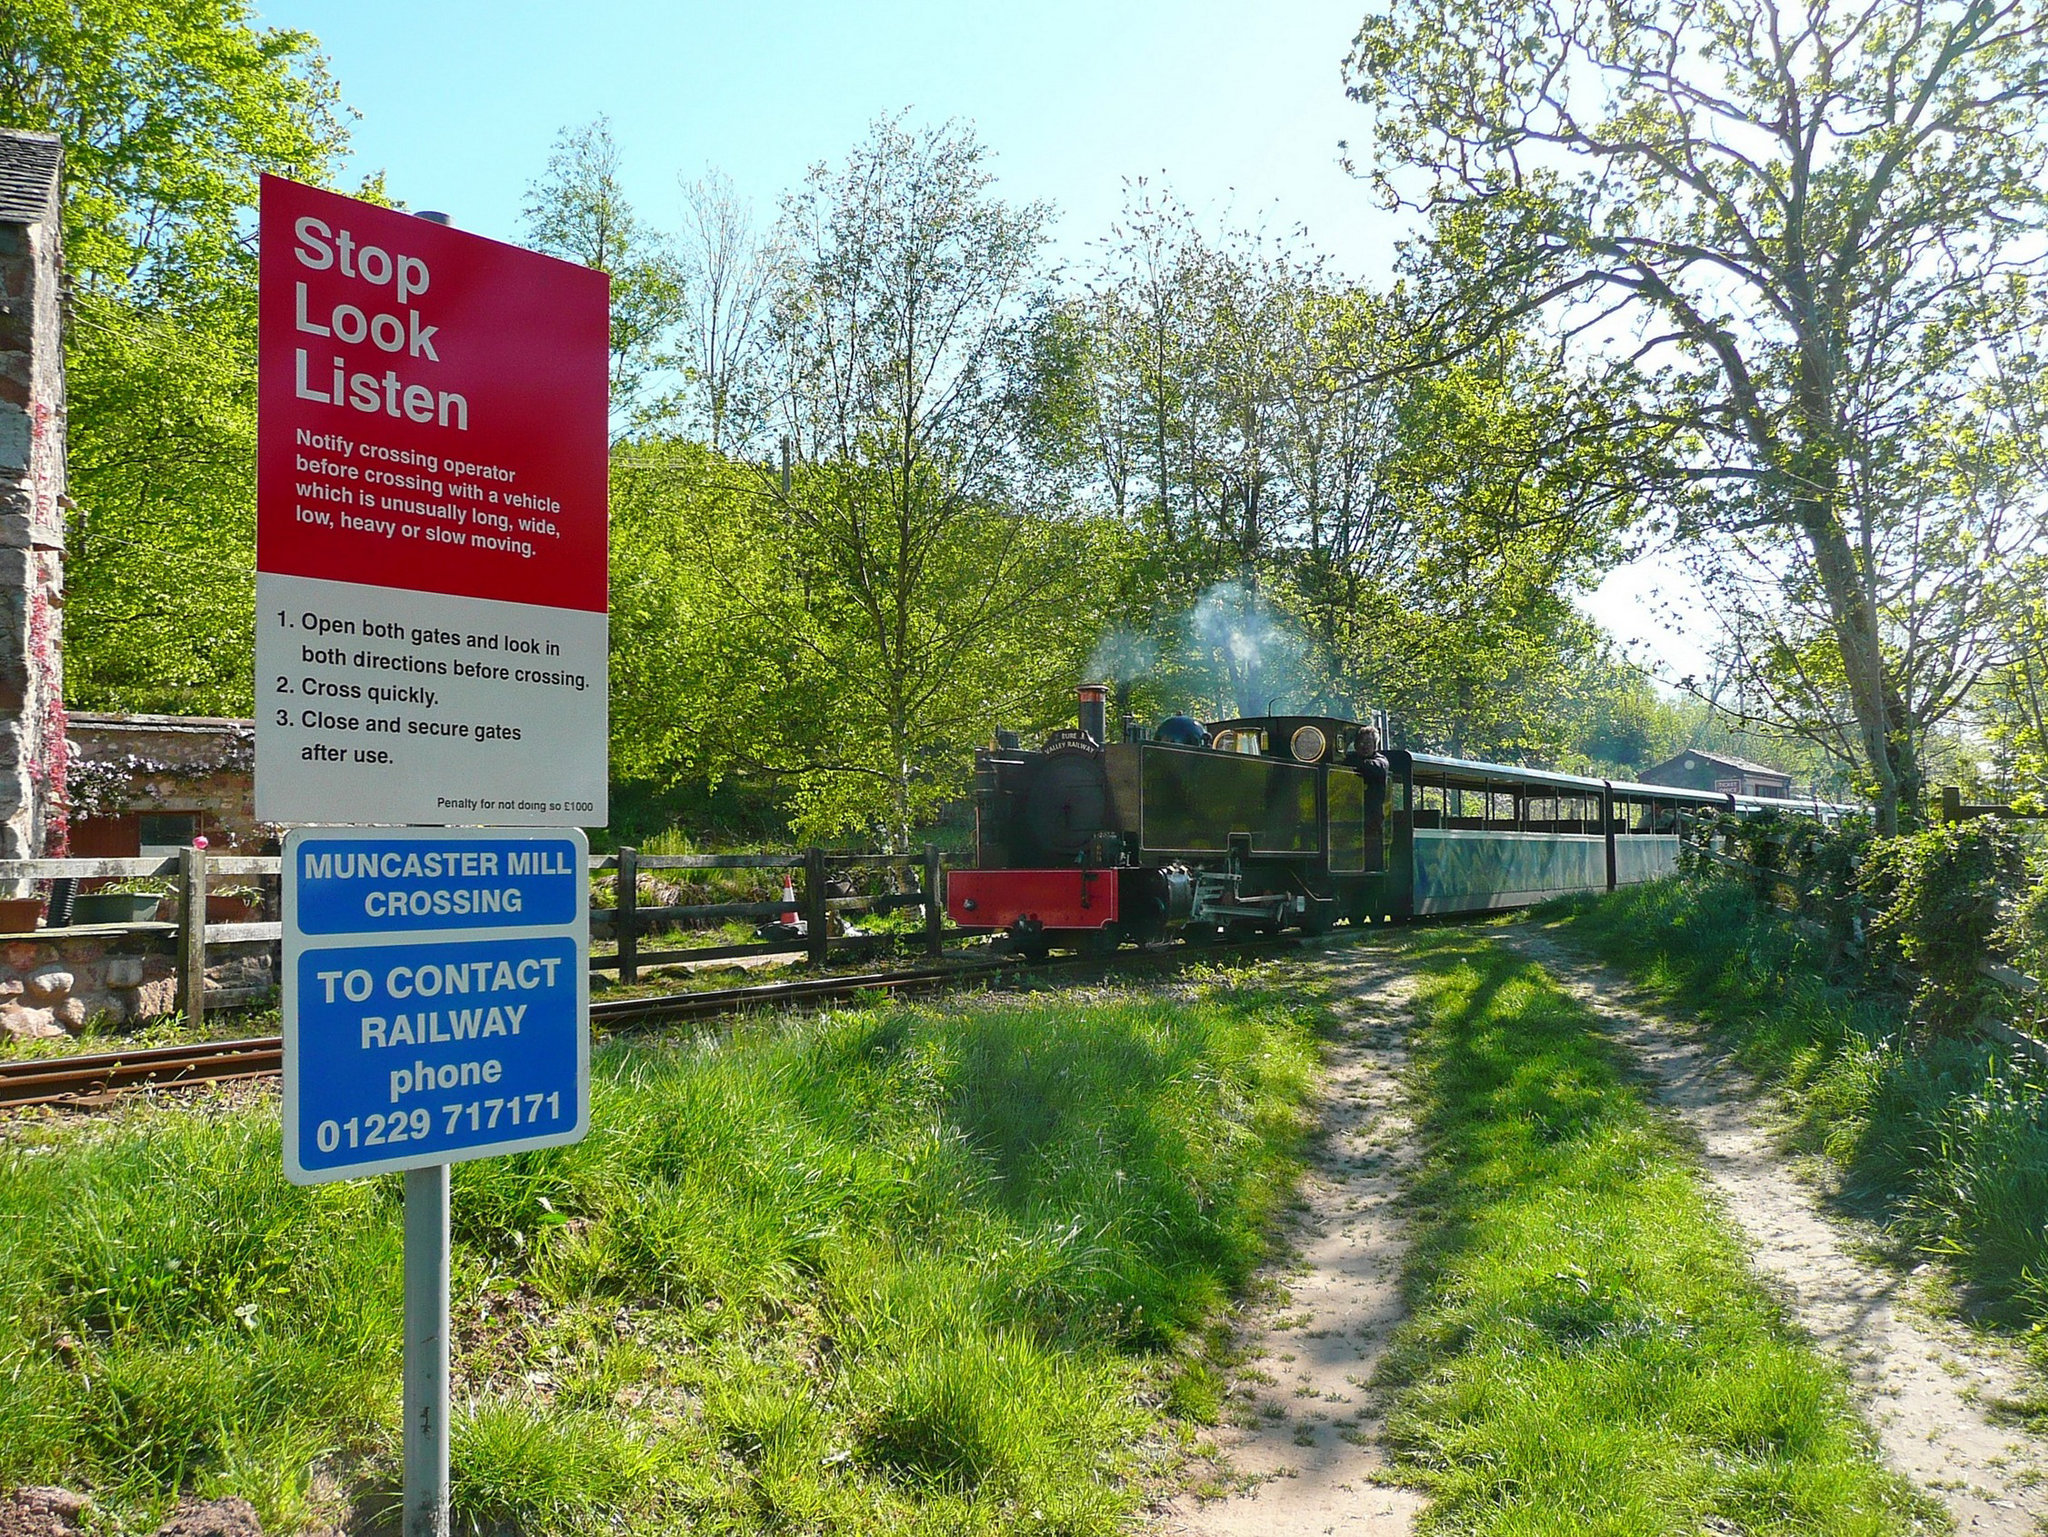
(1253, 654)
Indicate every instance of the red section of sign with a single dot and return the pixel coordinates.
(1058, 899)
(432, 406)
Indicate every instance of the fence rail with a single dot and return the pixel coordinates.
(627, 921)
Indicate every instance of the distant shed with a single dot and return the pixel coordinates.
(1697, 769)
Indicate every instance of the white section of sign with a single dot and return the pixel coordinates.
(377, 704)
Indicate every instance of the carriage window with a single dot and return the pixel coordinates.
(1429, 804)
(1503, 807)
(1464, 807)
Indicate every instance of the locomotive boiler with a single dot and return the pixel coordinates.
(1258, 824)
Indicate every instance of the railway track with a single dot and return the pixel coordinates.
(87, 1080)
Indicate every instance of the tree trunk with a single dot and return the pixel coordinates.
(899, 757)
(1871, 693)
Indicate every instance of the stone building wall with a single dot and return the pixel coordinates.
(32, 499)
(127, 767)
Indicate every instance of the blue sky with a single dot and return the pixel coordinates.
(1239, 108)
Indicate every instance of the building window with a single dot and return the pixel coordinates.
(165, 832)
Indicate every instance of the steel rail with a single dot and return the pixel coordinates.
(87, 1076)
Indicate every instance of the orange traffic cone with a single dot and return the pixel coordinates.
(789, 913)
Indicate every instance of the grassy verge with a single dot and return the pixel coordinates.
(1945, 1140)
(891, 1269)
(1587, 1351)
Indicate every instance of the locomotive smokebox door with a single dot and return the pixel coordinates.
(1067, 803)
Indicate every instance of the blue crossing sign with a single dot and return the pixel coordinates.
(436, 996)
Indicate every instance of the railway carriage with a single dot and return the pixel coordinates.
(1270, 824)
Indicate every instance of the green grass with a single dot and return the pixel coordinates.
(1586, 1351)
(1944, 1140)
(890, 1269)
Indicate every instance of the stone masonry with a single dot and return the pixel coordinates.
(56, 982)
(32, 500)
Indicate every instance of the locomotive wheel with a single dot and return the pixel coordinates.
(1032, 943)
(1100, 942)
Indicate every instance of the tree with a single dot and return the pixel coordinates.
(169, 111)
(577, 209)
(906, 303)
(169, 114)
(1791, 236)
(2013, 710)
(725, 317)
(743, 654)
(1318, 529)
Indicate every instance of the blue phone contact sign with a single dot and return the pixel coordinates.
(435, 1048)
(437, 997)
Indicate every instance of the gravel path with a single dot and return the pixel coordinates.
(1927, 1385)
(1301, 1446)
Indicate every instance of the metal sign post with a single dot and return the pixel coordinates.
(426, 1352)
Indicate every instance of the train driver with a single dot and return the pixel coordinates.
(1372, 765)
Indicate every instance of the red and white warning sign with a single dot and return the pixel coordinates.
(432, 630)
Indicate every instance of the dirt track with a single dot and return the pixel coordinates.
(1302, 1437)
(1928, 1387)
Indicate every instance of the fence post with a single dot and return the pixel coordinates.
(934, 904)
(814, 906)
(626, 914)
(1951, 803)
(192, 934)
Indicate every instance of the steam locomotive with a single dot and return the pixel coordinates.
(1266, 823)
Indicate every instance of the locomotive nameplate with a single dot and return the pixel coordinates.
(1068, 739)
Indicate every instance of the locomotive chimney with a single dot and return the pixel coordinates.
(1095, 710)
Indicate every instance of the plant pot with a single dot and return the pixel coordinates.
(115, 907)
(232, 909)
(19, 915)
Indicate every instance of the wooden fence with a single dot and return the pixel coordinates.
(627, 922)
(1953, 808)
